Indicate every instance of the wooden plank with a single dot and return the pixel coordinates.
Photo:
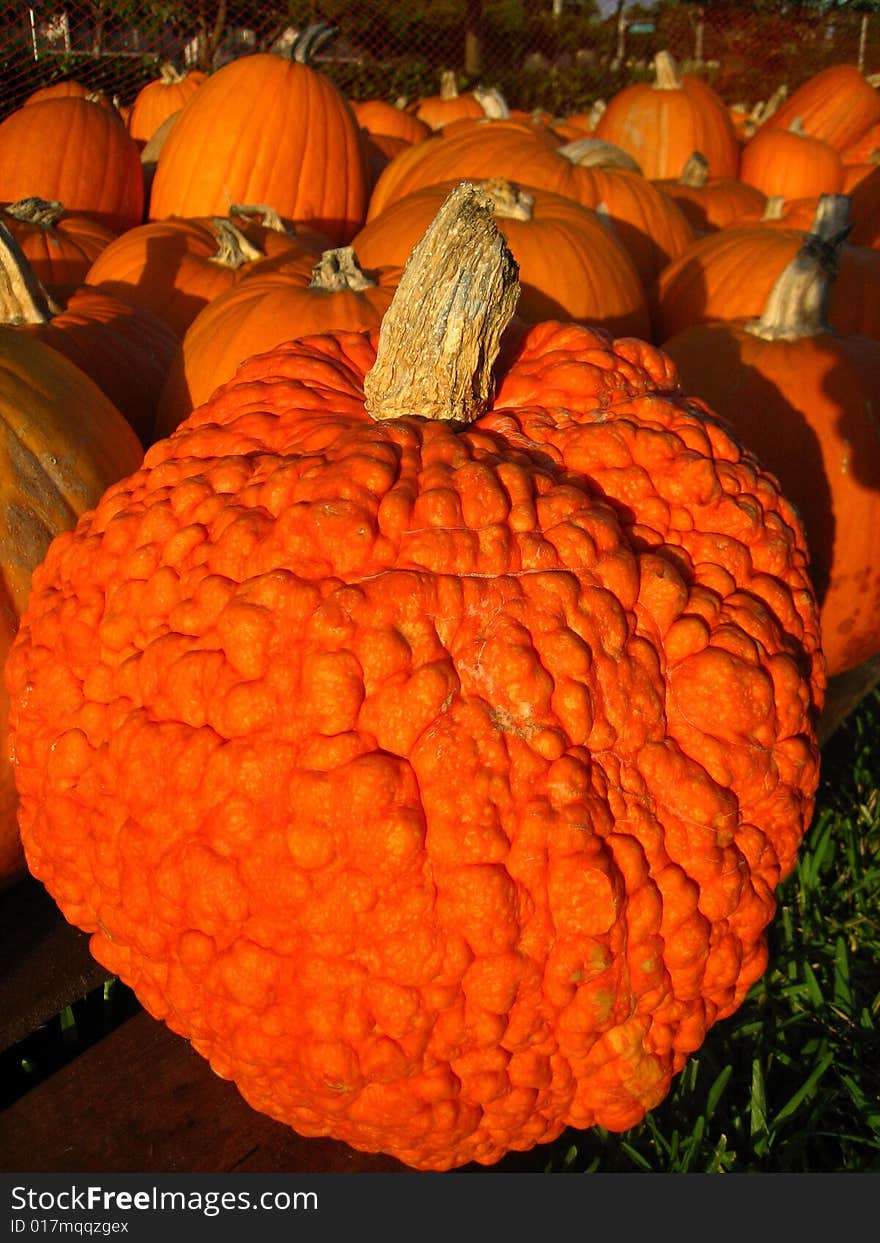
(45, 962)
(845, 692)
(143, 1101)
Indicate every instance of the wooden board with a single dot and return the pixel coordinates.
(143, 1101)
(45, 963)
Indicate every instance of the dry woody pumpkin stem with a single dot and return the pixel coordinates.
(798, 303)
(23, 300)
(441, 335)
(338, 271)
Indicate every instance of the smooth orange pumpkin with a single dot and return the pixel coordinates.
(711, 203)
(836, 105)
(62, 443)
(661, 123)
(729, 275)
(176, 267)
(803, 397)
(571, 264)
(157, 100)
(75, 152)
(650, 225)
(125, 349)
(253, 315)
(59, 245)
(791, 163)
(265, 129)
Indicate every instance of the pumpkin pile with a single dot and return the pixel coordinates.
(416, 698)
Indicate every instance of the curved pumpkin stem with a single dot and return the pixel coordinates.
(666, 73)
(233, 248)
(269, 217)
(23, 300)
(338, 271)
(774, 207)
(309, 42)
(441, 335)
(695, 173)
(598, 108)
(492, 102)
(509, 201)
(596, 152)
(43, 212)
(798, 303)
(169, 74)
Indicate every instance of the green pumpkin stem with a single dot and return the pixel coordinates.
(441, 335)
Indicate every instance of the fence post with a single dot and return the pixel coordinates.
(473, 23)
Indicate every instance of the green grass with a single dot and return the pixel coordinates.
(791, 1082)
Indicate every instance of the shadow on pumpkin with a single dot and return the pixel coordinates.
(156, 287)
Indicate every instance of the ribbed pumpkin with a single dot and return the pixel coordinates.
(377, 116)
(62, 443)
(803, 397)
(126, 350)
(571, 266)
(176, 267)
(729, 275)
(837, 105)
(77, 152)
(255, 314)
(266, 129)
(450, 105)
(68, 88)
(711, 203)
(650, 225)
(59, 245)
(661, 123)
(432, 780)
(792, 163)
(157, 100)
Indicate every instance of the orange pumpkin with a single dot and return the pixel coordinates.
(125, 349)
(571, 265)
(791, 163)
(379, 117)
(176, 267)
(157, 100)
(836, 105)
(433, 781)
(661, 123)
(711, 203)
(729, 275)
(650, 225)
(448, 105)
(75, 152)
(803, 397)
(62, 443)
(255, 314)
(265, 129)
(59, 245)
(68, 88)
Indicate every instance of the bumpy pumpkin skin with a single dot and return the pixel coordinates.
(434, 783)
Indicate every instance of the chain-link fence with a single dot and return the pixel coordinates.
(556, 54)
